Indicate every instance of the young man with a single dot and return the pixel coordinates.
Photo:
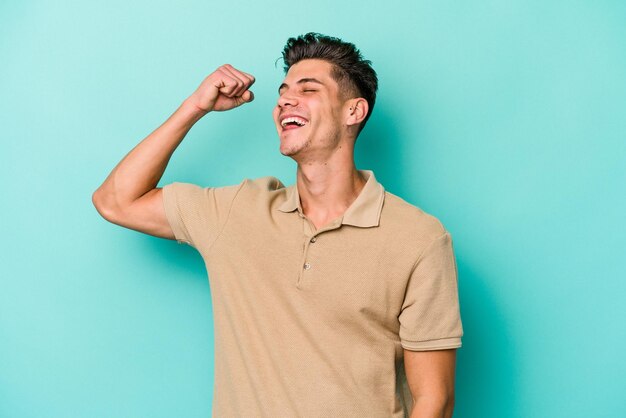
(332, 297)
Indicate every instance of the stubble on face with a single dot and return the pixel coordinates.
(317, 147)
(291, 149)
(319, 139)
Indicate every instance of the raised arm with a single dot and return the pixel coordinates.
(129, 196)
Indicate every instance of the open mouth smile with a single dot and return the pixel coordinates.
(292, 122)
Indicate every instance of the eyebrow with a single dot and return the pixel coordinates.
(301, 81)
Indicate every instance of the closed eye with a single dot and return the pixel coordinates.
(303, 91)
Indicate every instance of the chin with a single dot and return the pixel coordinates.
(291, 144)
(288, 151)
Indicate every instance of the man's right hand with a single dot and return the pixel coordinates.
(129, 196)
(224, 89)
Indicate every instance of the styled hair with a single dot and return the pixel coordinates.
(354, 75)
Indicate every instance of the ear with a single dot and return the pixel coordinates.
(356, 111)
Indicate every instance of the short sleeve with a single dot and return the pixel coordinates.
(197, 214)
(430, 317)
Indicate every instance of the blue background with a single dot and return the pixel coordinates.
(505, 119)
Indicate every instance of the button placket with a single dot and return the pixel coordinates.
(305, 265)
(311, 236)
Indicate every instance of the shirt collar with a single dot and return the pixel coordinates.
(363, 212)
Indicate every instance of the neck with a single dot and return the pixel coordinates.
(326, 190)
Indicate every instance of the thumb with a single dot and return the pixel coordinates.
(237, 101)
(247, 96)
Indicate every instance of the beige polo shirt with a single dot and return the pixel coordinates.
(312, 323)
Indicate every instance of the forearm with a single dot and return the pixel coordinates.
(141, 169)
(432, 408)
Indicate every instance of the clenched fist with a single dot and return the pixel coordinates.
(224, 89)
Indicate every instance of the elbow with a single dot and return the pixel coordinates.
(103, 205)
(448, 407)
(440, 405)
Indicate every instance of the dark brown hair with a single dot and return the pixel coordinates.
(354, 75)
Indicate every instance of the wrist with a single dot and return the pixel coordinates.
(190, 107)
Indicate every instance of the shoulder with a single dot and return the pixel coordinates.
(260, 184)
(259, 193)
(248, 188)
(263, 184)
(199, 193)
(410, 221)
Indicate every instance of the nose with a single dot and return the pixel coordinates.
(287, 99)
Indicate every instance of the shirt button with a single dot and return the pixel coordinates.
(313, 239)
(307, 266)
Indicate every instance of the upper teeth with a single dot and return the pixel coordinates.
(299, 121)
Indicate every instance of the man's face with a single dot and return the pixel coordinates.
(308, 115)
